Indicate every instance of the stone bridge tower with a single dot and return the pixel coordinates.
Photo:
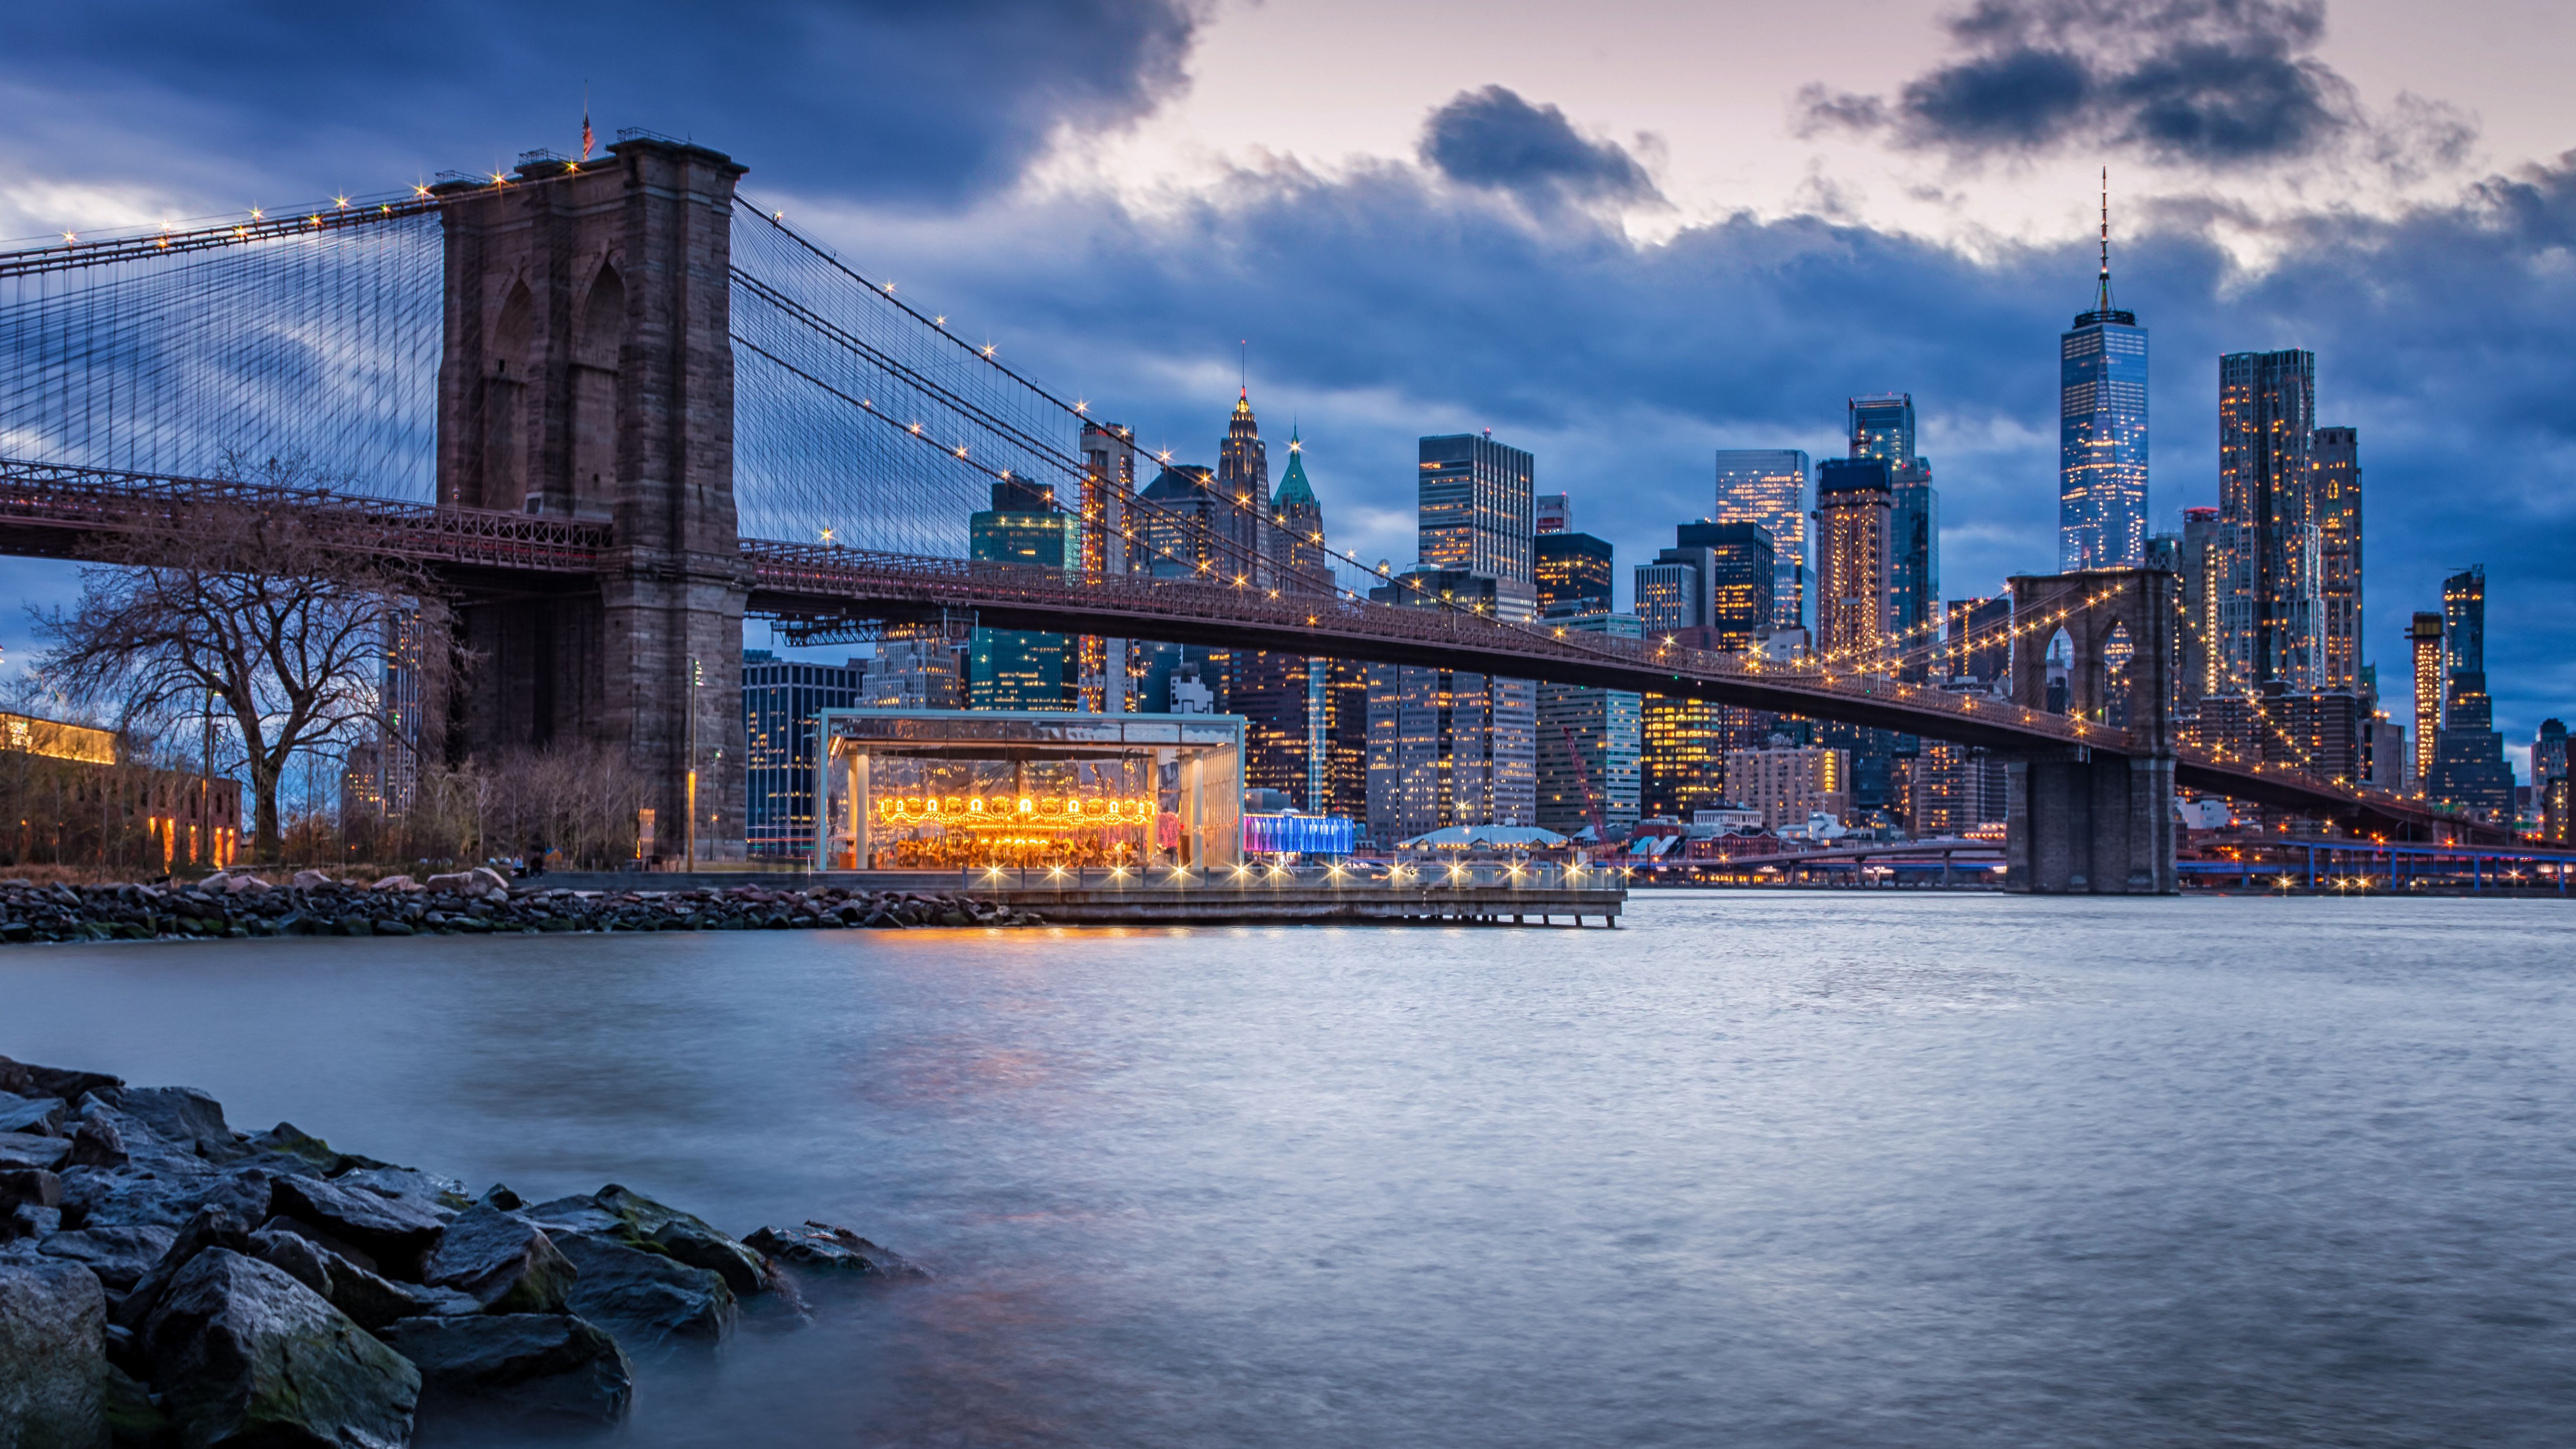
(588, 374)
(2085, 820)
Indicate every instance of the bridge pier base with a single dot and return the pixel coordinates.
(2082, 822)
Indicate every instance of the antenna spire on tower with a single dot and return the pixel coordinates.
(2103, 303)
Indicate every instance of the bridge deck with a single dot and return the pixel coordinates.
(54, 511)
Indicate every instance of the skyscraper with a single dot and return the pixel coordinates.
(2424, 645)
(1588, 743)
(1573, 573)
(1853, 500)
(782, 701)
(2469, 768)
(1555, 514)
(1882, 426)
(2102, 430)
(1183, 528)
(1297, 537)
(2199, 673)
(1741, 572)
(1449, 747)
(1477, 506)
(2271, 616)
(1021, 668)
(1243, 483)
(1768, 486)
(1282, 697)
(1108, 482)
(2336, 496)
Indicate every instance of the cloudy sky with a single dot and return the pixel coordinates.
(1620, 234)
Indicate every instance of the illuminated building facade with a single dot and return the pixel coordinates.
(1449, 747)
(1101, 671)
(2199, 671)
(1682, 755)
(1768, 486)
(2469, 769)
(916, 667)
(1942, 790)
(1243, 491)
(782, 703)
(1882, 427)
(1740, 570)
(71, 800)
(1478, 506)
(1789, 784)
(2271, 614)
(1554, 514)
(1854, 498)
(2424, 646)
(1283, 697)
(2335, 485)
(950, 790)
(1588, 745)
(1016, 669)
(1573, 573)
(2102, 432)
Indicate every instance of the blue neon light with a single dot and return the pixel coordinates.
(1297, 835)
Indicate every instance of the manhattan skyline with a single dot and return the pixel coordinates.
(1503, 242)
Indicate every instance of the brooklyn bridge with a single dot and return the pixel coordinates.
(618, 408)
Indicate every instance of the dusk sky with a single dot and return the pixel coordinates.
(1619, 235)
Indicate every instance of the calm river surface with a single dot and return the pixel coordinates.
(1759, 1169)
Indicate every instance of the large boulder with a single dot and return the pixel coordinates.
(42, 1115)
(210, 1228)
(370, 1299)
(507, 1264)
(115, 1197)
(183, 1117)
(285, 1145)
(396, 1232)
(120, 1256)
(636, 1292)
(53, 1357)
(26, 1079)
(631, 1218)
(518, 1364)
(22, 1150)
(834, 1249)
(96, 1142)
(244, 1354)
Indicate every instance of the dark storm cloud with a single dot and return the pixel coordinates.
(929, 102)
(2215, 83)
(1382, 305)
(1494, 139)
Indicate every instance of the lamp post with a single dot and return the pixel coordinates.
(697, 676)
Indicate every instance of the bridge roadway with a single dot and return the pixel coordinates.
(62, 512)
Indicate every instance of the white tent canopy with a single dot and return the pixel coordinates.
(1492, 837)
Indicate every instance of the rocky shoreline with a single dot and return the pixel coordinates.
(165, 1279)
(477, 902)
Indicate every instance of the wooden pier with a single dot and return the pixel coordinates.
(1486, 893)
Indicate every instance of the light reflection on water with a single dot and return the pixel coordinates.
(1760, 1169)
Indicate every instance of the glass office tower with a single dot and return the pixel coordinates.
(2102, 433)
(1768, 486)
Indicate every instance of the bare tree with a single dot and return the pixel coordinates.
(239, 602)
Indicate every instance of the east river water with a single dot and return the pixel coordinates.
(1758, 1169)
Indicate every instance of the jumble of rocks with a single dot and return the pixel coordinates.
(466, 903)
(165, 1279)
